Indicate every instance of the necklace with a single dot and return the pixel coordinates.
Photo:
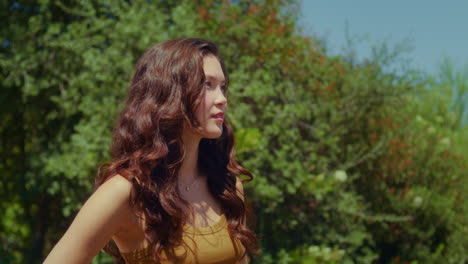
(187, 187)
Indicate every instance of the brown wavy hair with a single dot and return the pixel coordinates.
(147, 149)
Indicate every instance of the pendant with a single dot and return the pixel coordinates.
(187, 188)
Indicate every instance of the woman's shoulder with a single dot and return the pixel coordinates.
(130, 235)
(114, 194)
(114, 191)
(116, 188)
(102, 215)
(117, 185)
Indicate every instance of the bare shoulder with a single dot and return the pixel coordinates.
(102, 216)
(116, 186)
(115, 194)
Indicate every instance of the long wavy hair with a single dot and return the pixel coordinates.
(147, 148)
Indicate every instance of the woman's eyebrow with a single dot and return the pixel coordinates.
(214, 78)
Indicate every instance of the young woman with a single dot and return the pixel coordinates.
(171, 193)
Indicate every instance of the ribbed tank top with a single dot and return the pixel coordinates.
(206, 245)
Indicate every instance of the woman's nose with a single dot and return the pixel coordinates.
(220, 98)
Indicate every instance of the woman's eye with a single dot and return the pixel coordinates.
(208, 84)
(223, 88)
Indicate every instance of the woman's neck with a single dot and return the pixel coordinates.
(189, 169)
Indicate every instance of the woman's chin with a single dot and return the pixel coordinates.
(213, 134)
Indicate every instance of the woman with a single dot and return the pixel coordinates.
(171, 193)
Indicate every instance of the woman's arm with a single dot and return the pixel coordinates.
(240, 192)
(97, 221)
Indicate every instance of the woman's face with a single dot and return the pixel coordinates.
(212, 109)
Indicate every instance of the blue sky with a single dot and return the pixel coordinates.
(431, 28)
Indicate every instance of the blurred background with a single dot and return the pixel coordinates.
(352, 116)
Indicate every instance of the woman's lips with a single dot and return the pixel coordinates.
(218, 117)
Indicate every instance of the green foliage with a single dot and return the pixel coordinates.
(352, 164)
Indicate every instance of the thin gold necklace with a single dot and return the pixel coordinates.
(187, 187)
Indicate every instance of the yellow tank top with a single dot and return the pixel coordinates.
(206, 245)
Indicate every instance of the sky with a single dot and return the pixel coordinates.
(430, 29)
